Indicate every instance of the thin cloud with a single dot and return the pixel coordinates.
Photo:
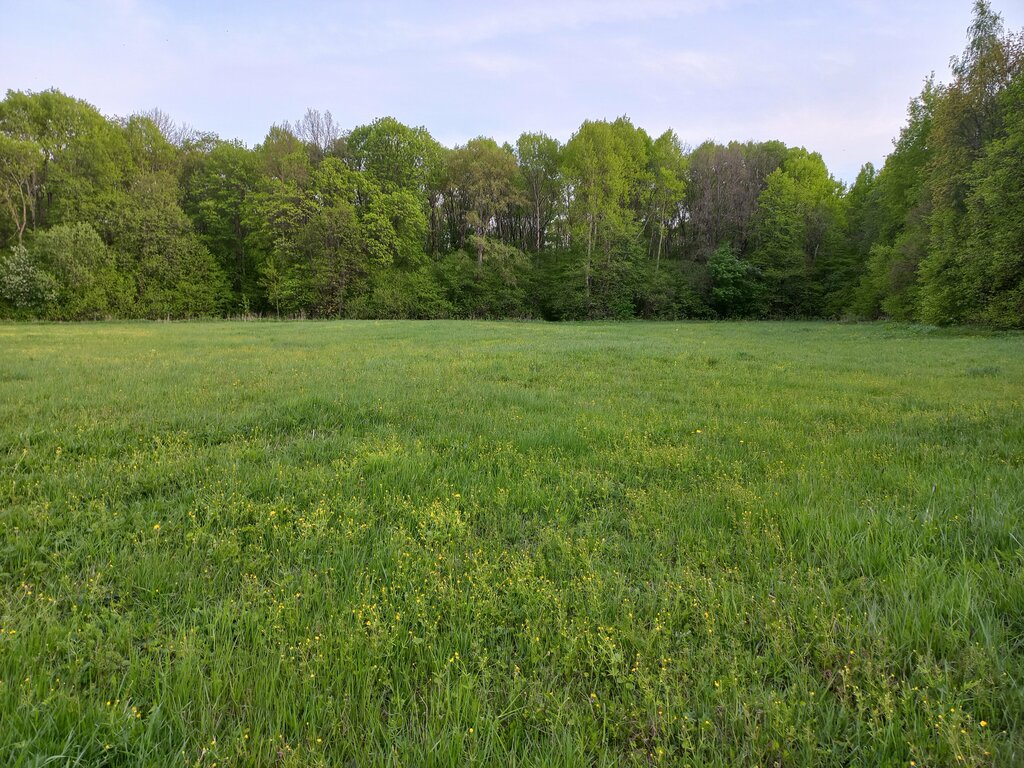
(833, 76)
(469, 24)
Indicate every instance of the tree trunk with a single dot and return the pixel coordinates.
(661, 240)
(537, 226)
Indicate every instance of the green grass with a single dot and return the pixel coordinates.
(389, 543)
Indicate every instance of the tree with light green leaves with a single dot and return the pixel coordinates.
(483, 188)
(969, 117)
(668, 191)
(21, 162)
(87, 282)
(86, 159)
(538, 156)
(218, 179)
(607, 171)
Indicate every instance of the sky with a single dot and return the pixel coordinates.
(834, 76)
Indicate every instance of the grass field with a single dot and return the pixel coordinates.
(408, 544)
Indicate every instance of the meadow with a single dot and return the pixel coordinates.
(510, 544)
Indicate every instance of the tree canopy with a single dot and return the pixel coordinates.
(140, 217)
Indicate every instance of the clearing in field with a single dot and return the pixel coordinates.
(439, 544)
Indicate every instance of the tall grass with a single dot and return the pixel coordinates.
(389, 543)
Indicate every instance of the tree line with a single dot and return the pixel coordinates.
(140, 217)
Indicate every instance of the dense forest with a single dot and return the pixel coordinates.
(140, 217)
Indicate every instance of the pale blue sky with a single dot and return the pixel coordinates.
(835, 76)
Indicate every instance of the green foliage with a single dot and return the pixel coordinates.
(668, 169)
(314, 222)
(482, 188)
(25, 289)
(667, 292)
(394, 155)
(396, 229)
(889, 286)
(21, 162)
(89, 285)
(284, 157)
(779, 254)
(607, 166)
(494, 282)
(800, 239)
(150, 150)
(402, 294)
(736, 285)
(218, 184)
(723, 187)
(971, 117)
(994, 269)
(538, 156)
(86, 158)
(933, 224)
(174, 274)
